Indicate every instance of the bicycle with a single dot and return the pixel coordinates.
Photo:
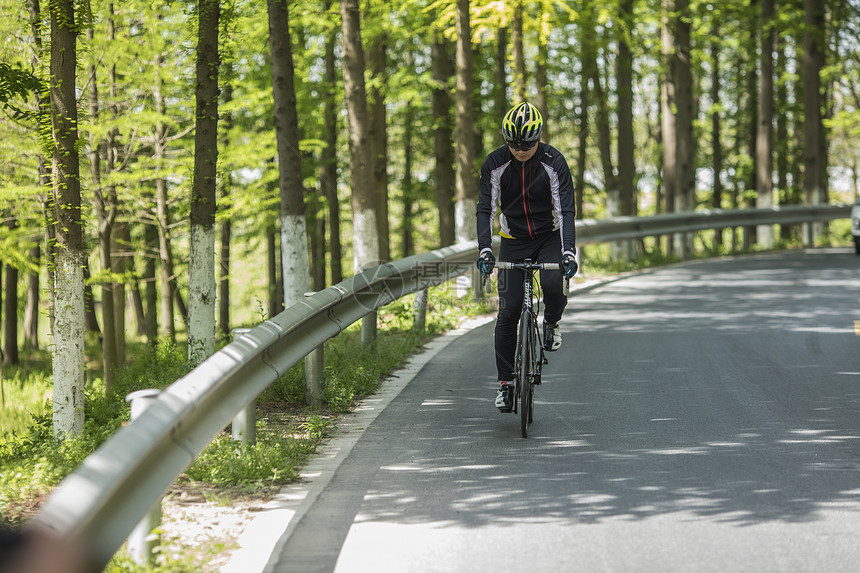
(529, 358)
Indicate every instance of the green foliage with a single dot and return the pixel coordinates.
(25, 395)
(16, 82)
(273, 460)
(169, 559)
(32, 461)
(318, 427)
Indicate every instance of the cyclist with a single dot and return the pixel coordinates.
(530, 183)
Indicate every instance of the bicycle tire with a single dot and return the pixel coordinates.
(534, 377)
(526, 399)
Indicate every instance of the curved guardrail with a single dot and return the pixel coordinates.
(622, 228)
(102, 501)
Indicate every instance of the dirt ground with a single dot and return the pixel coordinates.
(203, 524)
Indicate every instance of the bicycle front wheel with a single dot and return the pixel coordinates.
(526, 395)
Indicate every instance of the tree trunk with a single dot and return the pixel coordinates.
(591, 69)
(500, 95)
(10, 308)
(751, 90)
(610, 181)
(123, 263)
(585, 30)
(50, 254)
(541, 84)
(201, 281)
(685, 144)
(717, 147)
(813, 130)
(520, 74)
(782, 142)
(226, 224)
(224, 279)
(150, 296)
(108, 323)
(668, 164)
(797, 139)
(276, 287)
(105, 207)
(379, 142)
(667, 102)
(738, 151)
(466, 182)
(626, 144)
(764, 136)
(443, 150)
(90, 320)
(294, 236)
(408, 186)
(165, 252)
(31, 312)
(366, 243)
(68, 354)
(316, 223)
(328, 160)
(366, 240)
(121, 251)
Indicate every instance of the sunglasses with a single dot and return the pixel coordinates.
(522, 147)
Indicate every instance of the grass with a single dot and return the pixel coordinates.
(23, 396)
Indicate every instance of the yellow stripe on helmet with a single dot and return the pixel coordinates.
(523, 121)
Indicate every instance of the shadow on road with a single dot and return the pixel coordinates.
(733, 397)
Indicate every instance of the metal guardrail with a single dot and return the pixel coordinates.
(622, 228)
(102, 501)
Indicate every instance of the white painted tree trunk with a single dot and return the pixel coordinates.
(201, 294)
(465, 226)
(464, 221)
(294, 258)
(68, 354)
(366, 241)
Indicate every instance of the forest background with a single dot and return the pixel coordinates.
(151, 150)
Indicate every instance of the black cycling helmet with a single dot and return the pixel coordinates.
(522, 126)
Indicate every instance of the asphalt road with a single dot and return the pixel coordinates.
(702, 417)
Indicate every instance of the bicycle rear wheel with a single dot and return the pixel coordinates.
(526, 396)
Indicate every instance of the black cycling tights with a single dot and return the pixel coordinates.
(544, 249)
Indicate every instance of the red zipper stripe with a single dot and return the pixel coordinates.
(525, 207)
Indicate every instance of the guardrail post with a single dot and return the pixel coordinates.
(477, 291)
(419, 306)
(808, 233)
(143, 540)
(314, 373)
(244, 425)
(368, 330)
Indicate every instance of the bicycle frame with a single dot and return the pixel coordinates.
(529, 357)
(529, 331)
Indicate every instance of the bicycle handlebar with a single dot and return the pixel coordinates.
(529, 266)
(485, 286)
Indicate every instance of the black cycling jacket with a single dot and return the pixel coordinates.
(535, 197)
